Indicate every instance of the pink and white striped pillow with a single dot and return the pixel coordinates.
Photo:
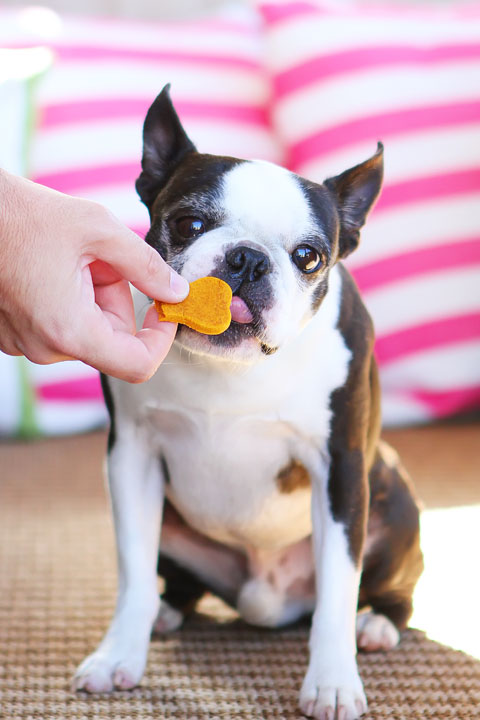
(93, 102)
(345, 77)
(88, 141)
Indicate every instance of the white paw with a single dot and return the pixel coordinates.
(168, 619)
(104, 671)
(324, 699)
(376, 632)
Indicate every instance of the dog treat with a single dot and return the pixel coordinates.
(206, 308)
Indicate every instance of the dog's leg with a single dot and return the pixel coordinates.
(332, 687)
(375, 632)
(136, 489)
(191, 563)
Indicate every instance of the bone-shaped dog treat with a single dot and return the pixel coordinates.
(206, 308)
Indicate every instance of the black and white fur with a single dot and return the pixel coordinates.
(259, 448)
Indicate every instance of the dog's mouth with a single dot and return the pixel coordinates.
(246, 324)
(240, 311)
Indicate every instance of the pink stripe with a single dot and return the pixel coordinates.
(280, 12)
(133, 108)
(381, 126)
(93, 53)
(352, 61)
(71, 181)
(438, 333)
(433, 187)
(85, 388)
(449, 402)
(394, 268)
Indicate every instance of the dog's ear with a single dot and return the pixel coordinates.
(165, 144)
(355, 191)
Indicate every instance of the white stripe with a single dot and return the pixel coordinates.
(345, 98)
(231, 138)
(417, 225)
(13, 103)
(423, 299)
(437, 369)
(415, 154)
(298, 40)
(162, 36)
(202, 38)
(399, 409)
(11, 393)
(123, 201)
(84, 145)
(45, 374)
(81, 81)
(63, 418)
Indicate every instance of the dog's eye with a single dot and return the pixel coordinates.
(190, 227)
(307, 259)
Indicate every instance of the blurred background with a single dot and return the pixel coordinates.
(152, 9)
(310, 86)
(313, 86)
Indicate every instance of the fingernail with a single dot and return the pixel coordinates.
(179, 285)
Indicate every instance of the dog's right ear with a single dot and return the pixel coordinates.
(165, 144)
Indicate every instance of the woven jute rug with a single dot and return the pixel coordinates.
(57, 588)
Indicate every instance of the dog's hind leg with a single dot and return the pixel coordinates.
(190, 564)
(182, 591)
(393, 559)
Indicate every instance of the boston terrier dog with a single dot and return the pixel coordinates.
(250, 464)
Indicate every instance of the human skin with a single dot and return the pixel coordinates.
(65, 269)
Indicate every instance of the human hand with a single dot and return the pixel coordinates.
(64, 272)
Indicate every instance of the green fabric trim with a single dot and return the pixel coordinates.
(28, 426)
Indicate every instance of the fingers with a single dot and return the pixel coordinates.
(132, 357)
(115, 302)
(138, 263)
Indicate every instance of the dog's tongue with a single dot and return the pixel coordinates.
(240, 311)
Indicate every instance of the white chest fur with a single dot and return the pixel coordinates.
(227, 431)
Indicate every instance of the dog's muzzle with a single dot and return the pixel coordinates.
(244, 265)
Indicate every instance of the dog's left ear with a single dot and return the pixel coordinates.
(165, 144)
(355, 192)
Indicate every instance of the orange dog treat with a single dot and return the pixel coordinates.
(206, 308)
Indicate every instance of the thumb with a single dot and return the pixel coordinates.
(141, 265)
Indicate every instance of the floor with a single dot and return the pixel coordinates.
(57, 580)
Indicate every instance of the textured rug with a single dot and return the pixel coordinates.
(57, 587)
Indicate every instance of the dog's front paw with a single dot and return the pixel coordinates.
(326, 697)
(103, 672)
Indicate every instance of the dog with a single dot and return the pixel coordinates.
(255, 454)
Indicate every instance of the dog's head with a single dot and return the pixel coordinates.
(271, 235)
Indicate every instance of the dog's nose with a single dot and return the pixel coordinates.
(247, 263)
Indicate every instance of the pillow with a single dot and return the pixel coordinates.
(93, 102)
(345, 77)
(88, 142)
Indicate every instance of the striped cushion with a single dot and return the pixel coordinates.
(345, 77)
(93, 102)
(91, 106)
